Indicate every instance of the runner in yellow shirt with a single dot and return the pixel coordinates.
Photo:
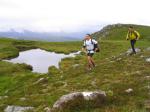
(133, 36)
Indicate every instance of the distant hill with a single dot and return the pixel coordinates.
(109, 32)
(42, 36)
(119, 31)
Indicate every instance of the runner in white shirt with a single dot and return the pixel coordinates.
(90, 47)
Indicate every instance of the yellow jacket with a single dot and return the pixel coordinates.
(133, 35)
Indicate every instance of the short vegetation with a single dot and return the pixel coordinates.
(115, 72)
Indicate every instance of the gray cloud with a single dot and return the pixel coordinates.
(70, 15)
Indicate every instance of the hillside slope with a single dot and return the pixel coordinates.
(115, 73)
(119, 32)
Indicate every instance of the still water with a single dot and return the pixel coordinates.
(40, 60)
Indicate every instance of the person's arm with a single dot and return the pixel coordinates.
(96, 45)
(94, 41)
(84, 47)
(127, 37)
(137, 35)
(96, 48)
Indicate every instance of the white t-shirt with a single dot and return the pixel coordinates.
(89, 45)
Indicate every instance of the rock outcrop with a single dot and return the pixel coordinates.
(130, 90)
(147, 105)
(148, 49)
(105, 31)
(148, 60)
(79, 100)
(17, 109)
(130, 51)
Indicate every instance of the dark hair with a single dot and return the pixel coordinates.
(88, 34)
(131, 27)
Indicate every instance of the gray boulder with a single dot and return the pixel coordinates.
(75, 65)
(129, 90)
(147, 105)
(23, 99)
(41, 80)
(148, 60)
(148, 49)
(78, 100)
(130, 51)
(147, 77)
(17, 109)
(3, 97)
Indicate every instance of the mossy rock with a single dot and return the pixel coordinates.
(79, 100)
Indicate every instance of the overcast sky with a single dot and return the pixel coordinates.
(71, 15)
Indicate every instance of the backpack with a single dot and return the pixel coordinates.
(95, 46)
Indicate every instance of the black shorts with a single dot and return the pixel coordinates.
(90, 54)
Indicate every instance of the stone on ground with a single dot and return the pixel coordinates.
(78, 100)
(130, 51)
(148, 60)
(17, 109)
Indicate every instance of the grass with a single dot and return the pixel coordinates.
(119, 32)
(110, 75)
(59, 47)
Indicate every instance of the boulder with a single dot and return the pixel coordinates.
(3, 97)
(129, 90)
(78, 100)
(147, 87)
(68, 101)
(17, 109)
(148, 60)
(95, 99)
(130, 51)
(148, 49)
(23, 99)
(147, 105)
(147, 77)
(142, 56)
(75, 65)
(41, 80)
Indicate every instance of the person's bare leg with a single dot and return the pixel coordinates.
(92, 61)
(90, 64)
